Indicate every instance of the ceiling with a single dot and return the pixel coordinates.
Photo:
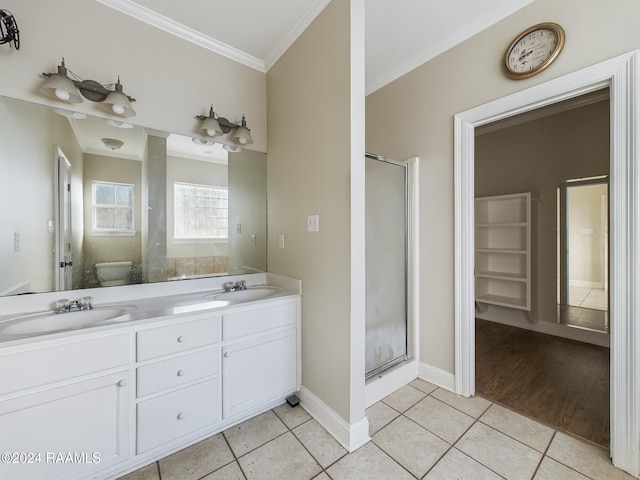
(400, 35)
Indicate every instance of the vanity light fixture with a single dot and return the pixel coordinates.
(71, 89)
(243, 135)
(214, 126)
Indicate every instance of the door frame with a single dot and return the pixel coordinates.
(62, 212)
(563, 218)
(622, 75)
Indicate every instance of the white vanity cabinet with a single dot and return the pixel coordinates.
(108, 401)
(178, 380)
(64, 407)
(259, 356)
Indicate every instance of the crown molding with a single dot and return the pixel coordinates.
(447, 43)
(128, 7)
(307, 17)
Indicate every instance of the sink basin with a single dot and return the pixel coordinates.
(248, 295)
(48, 322)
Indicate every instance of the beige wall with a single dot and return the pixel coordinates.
(413, 116)
(248, 210)
(569, 145)
(172, 79)
(30, 160)
(107, 248)
(587, 230)
(308, 172)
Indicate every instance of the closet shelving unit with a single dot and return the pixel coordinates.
(503, 251)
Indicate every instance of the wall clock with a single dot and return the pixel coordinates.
(533, 50)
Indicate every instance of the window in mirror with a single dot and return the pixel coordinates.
(200, 212)
(112, 208)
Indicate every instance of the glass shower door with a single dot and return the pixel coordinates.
(386, 264)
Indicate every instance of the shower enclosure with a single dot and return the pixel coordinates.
(386, 246)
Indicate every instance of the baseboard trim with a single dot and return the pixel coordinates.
(564, 331)
(350, 436)
(437, 376)
(388, 382)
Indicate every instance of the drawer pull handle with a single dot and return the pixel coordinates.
(181, 339)
(123, 383)
(181, 373)
(180, 416)
(227, 354)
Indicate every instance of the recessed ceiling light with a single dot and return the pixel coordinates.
(70, 114)
(231, 148)
(118, 123)
(112, 143)
(202, 141)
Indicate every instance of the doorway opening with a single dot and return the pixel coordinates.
(583, 253)
(564, 384)
(622, 74)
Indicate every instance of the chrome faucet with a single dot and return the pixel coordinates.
(64, 305)
(233, 287)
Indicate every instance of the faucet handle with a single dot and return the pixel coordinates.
(228, 287)
(62, 305)
(241, 284)
(85, 301)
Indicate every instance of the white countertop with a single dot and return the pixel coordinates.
(142, 303)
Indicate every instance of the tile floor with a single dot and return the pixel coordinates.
(594, 298)
(418, 432)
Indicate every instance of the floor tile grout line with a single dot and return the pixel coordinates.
(476, 420)
(393, 459)
(235, 458)
(544, 455)
(323, 469)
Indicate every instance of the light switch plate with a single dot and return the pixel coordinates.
(313, 223)
(281, 240)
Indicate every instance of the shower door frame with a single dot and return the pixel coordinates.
(408, 351)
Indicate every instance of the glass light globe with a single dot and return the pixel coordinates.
(117, 108)
(62, 94)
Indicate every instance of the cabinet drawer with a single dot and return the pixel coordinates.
(19, 371)
(248, 322)
(178, 371)
(176, 414)
(176, 338)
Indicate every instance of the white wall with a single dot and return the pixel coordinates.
(413, 116)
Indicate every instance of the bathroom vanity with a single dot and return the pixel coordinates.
(103, 399)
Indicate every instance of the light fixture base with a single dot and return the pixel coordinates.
(92, 90)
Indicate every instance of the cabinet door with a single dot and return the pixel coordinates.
(67, 432)
(258, 371)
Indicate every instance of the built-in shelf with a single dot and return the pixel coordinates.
(503, 250)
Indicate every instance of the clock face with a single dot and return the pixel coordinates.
(534, 50)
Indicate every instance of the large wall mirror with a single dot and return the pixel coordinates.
(89, 202)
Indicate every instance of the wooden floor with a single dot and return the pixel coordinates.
(558, 381)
